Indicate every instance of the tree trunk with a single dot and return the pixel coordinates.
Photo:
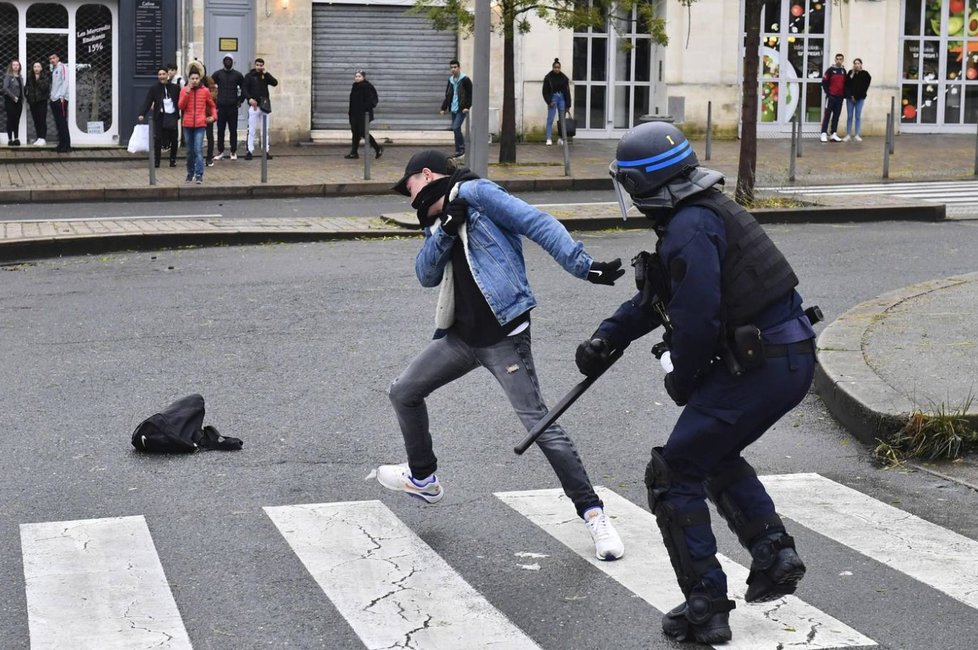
(748, 113)
(507, 140)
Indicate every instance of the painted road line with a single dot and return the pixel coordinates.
(646, 571)
(391, 587)
(932, 554)
(98, 584)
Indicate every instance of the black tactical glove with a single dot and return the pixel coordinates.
(454, 216)
(592, 356)
(678, 396)
(605, 272)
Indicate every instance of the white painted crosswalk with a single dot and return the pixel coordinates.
(100, 583)
(958, 196)
(646, 572)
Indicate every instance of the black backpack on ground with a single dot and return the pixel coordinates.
(178, 429)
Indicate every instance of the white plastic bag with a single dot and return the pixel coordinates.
(139, 142)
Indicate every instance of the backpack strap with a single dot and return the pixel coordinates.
(212, 439)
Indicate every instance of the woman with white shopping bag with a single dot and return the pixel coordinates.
(162, 99)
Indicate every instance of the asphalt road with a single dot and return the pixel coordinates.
(293, 346)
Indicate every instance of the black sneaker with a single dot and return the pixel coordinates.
(380, 152)
(248, 156)
(173, 163)
(351, 156)
(199, 180)
(190, 178)
(269, 156)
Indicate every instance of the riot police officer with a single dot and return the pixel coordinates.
(742, 353)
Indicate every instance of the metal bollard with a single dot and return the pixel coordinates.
(152, 156)
(791, 163)
(264, 147)
(892, 123)
(366, 146)
(801, 124)
(563, 136)
(709, 129)
(468, 134)
(886, 146)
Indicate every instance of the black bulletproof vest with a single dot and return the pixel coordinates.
(754, 274)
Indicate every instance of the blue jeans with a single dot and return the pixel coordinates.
(854, 106)
(195, 150)
(556, 104)
(457, 119)
(511, 362)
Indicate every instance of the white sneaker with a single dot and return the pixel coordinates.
(835, 138)
(858, 139)
(824, 138)
(234, 156)
(560, 141)
(40, 142)
(219, 155)
(398, 478)
(847, 138)
(607, 543)
(549, 142)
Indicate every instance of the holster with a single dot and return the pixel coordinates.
(744, 350)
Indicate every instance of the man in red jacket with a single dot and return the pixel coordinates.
(834, 85)
(198, 108)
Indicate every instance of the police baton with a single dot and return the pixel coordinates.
(563, 405)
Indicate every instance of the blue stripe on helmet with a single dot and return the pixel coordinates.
(679, 148)
(665, 163)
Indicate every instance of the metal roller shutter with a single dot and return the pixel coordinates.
(405, 59)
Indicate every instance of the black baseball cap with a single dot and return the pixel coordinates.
(432, 159)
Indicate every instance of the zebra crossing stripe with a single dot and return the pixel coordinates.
(392, 588)
(646, 571)
(924, 551)
(98, 584)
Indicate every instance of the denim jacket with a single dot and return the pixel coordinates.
(493, 247)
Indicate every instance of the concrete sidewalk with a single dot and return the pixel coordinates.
(906, 349)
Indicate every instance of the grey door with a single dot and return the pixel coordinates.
(229, 29)
(404, 57)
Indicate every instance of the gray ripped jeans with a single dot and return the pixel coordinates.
(511, 362)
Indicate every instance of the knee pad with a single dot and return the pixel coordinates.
(672, 525)
(748, 530)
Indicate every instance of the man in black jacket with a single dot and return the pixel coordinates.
(162, 98)
(256, 85)
(230, 95)
(458, 100)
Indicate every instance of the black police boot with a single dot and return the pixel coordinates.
(775, 570)
(701, 618)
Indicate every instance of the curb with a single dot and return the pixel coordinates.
(194, 192)
(51, 247)
(862, 402)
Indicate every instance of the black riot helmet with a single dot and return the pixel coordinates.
(649, 156)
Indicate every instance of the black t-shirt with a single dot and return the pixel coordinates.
(474, 321)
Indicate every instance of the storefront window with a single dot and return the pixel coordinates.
(614, 70)
(47, 16)
(8, 33)
(792, 56)
(940, 61)
(93, 50)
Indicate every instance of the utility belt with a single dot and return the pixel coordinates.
(745, 349)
